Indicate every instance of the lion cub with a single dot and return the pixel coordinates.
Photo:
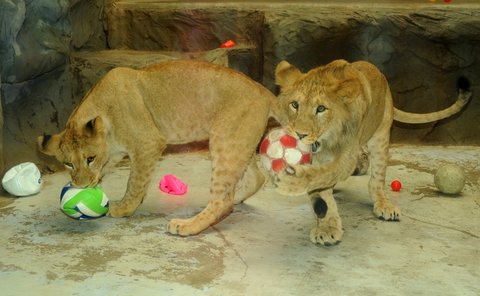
(342, 107)
(137, 112)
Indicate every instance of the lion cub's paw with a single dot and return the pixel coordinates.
(386, 211)
(117, 209)
(328, 233)
(182, 227)
(291, 181)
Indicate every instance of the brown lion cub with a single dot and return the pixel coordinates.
(342, 107)
(137, 112)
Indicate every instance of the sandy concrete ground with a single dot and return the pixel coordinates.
(262, 248)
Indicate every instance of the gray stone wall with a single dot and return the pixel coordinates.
(2, 163)
(86, 19)
(35, 85)
(422, 50)
(146, 26)
(51, 52)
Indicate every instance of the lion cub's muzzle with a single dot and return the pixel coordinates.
(88, 182)
(306, 138)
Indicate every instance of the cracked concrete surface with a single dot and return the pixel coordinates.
(262, 248)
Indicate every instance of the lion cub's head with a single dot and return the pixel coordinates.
(82, 148)
(319, 103)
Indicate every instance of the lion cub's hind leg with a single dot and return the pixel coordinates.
(227, 169)
(234, 137)
(328, 230)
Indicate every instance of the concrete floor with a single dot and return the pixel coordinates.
(261, 249)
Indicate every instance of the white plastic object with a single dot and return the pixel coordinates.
(22, 180)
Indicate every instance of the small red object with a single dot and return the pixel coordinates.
(447, 1)
(171, 185)
(228, 44)
(396, 185)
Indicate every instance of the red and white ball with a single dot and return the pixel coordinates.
(279, 149)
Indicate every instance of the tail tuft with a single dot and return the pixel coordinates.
(463, 83)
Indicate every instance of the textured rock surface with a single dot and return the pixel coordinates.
(86, 19)
(157, 26)
(40, 105)
(1, 130)
(147, 26)
(34, 45)
(421, 50)
(34, 38)
(48, 59)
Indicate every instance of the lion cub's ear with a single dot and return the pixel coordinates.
(286, 74)
(48, 145)
(94, 127)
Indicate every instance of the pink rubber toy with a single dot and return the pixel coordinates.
(171, 185)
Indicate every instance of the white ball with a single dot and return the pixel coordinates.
(450, 179)
(22, 180)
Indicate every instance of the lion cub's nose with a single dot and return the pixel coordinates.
(300, 136)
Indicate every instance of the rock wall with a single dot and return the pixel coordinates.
(422, 48)
(52, 52)
(2, 163)
(422, 52)
(87, 23)
(35, 85)
(149, 26)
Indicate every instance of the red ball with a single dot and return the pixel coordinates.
(396, 185)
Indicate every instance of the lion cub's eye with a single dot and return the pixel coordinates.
(68, 164)
(294, 105)
(321, 109)
(90, 159)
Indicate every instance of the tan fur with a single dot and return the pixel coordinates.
(137, 112)
(344, 107)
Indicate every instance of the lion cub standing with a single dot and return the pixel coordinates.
(137, 112)
(342, 107)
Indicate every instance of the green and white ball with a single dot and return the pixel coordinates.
(83, 203)
(450, 179)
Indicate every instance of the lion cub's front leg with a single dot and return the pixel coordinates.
(140, 175)
(141, 168)
(328, 230)
(383, 208)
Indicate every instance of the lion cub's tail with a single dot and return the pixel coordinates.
(464, 95)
